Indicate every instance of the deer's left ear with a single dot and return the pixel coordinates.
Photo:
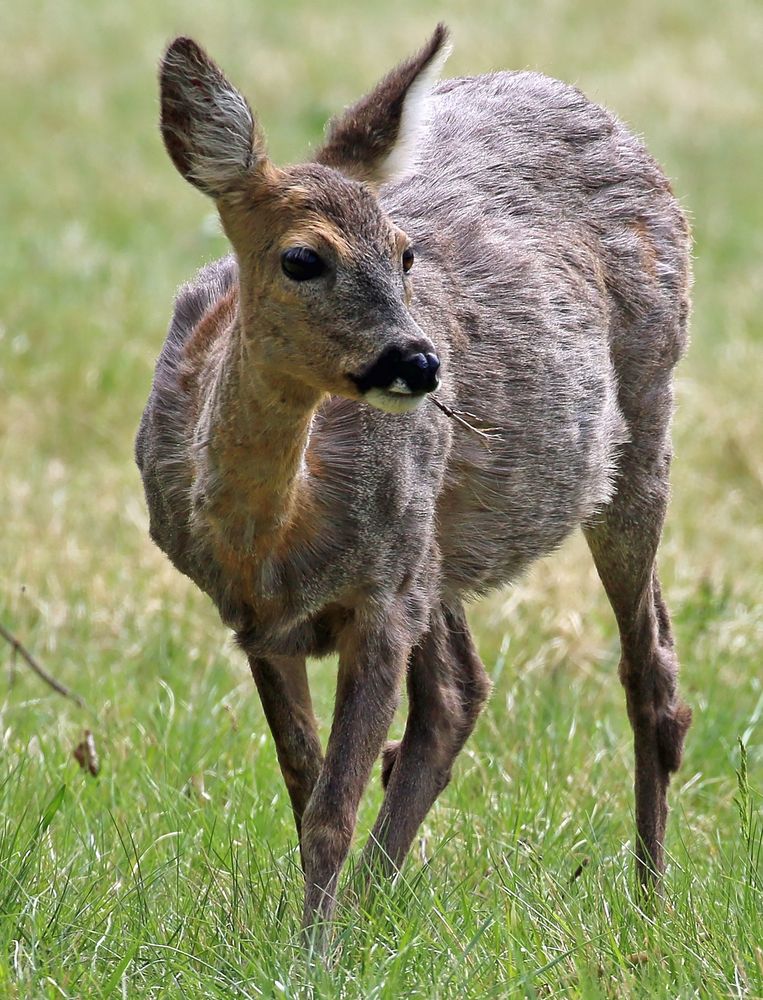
(375, 140)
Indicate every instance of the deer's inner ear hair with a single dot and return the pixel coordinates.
(302, 264)
(407, 259)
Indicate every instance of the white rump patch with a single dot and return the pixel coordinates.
(414, 119)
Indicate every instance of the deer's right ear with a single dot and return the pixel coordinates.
(208, 128)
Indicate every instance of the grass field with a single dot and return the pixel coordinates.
(174, 873)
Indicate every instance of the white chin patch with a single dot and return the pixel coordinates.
(392, 401)
(400, 388)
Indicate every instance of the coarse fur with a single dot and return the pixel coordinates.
(551, 282)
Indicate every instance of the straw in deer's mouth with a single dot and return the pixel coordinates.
(487, 434)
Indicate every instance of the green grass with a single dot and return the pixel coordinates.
(174, 873)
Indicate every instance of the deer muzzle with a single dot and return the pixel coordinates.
(400, 373)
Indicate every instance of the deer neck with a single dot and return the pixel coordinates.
(252, 436)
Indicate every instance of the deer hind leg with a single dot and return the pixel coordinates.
(447, 687)
(624, 543)
(282, 685)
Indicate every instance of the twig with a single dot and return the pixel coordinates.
(41, 672)
(486, 435)
(579, 870)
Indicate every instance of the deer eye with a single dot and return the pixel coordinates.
(407, 259)
(302, 264)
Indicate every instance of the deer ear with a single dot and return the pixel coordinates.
(376, 139)
(208, 128)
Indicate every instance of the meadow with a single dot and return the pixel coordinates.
(174, 872)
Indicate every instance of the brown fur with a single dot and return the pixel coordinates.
(297, 473)
(317, 232)
(648, 252)
(207, 333)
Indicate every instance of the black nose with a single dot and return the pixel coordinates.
(420, 372)
(411, 373)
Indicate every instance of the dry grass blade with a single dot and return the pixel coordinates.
(86, 754)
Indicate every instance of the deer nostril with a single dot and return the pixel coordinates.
(419, 371)
(426, 362)
(433, 363)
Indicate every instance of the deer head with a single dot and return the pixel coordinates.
(326, 276)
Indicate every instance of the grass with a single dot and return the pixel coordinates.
(174, 873)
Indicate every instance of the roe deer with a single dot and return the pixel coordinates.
(297, 470)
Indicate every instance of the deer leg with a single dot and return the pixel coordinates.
(371, 666)
(447, 687)
(282, 685)
(624, 543)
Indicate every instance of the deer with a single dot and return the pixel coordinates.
(496, 248)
